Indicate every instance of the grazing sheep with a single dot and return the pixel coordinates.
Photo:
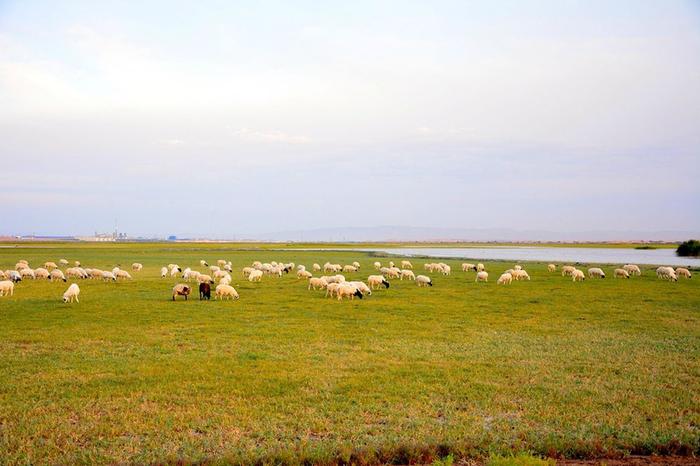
(446, 269)
(407, 274)
(362, 286)
(335, 278)
(349, 269)
(181, 289)
(41, 273)
(225, 281)
(57, 275)
(520, 274)
(578, 275)
(204, 291)
(317, 283)
(316, 268)
(71, 293)
(163, 272)
(422, 280)
(567, 270)
(466, 267)
(683, 272)
(123, 274)
(632, 269)
(21, 265)
(107, 275)
(220, 274)
(356, 265)
(377, 281)
(552, 267)
(304, 274)
(7, 287)
(225, 291)
(13, 275)
(332, 289)
(517, 267)
(621, 273)
(255, 276)
(482, 276)
(666, 273)
(27, 273)
(174, 271)
(220, 262)
(203, 263)
(76, 263)
(407, 265)
(202, 278)
(136, 267)
(50, 265)
(596, 272)
(377, 265)
(247, 270)
(348, 290)
(505, 279)
(63, 262)
(392, 272)
(74, 272)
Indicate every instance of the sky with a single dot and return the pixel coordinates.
(223, 119)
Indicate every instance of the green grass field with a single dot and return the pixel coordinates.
(550, 367)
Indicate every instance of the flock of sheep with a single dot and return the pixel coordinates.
(333, 282)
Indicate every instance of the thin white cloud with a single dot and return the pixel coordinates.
(251, 135)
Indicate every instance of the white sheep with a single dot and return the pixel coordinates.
(181, 289)
(480, 267)
(304, 274)
(163, 272)
(578, 275)
(422, 280)
(107, 275)
(136, 266)
(407, 265)
(520, 275)
(362, 286)
(41, 273)
(567, 270)
(446, 269)
(225, 281)
(552, 267)
(332, 289)
(24, 273)
(7, 287)
(482, 276)
(348, 290)
(123, 274)
(683, 272)
(466, 267)
(349, 269)
(255, 276)
(225, 291)
(666, 273)
(115, 270)
(408, 274)
(13, 275)
(71, 293)
(247, 270)
(221, 262)
(63, 262)
(377, 265)
(203, 263)
(174, 271)
(356, 265)
(621, 273)
(317, 283)
(202, 278)
(505, 279)
(50, 265)
(632, 269)
(316, 268)
(596, 272)
(377, 281)
(56, 274)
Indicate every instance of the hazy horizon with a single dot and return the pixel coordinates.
(220, 119)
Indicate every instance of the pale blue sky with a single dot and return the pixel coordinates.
(229, 118)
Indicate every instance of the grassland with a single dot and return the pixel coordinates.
(595, 369)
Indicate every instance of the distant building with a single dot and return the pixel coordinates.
(172, 238)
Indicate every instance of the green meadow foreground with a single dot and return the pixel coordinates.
(602, 368)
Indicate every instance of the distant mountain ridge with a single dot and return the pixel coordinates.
(399, 233)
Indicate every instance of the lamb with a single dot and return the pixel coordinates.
(596, 272)
(407, 265)
(407, 274)
(7, 287)
(316, 268)
(578, 275)
(567, 270)
(317, 283)
(621, 273)
(50, 265)
(71, 293)
(683, 272)
(255, 276)
(225, 291)
(348, 290)
(106, 275)
(123, 274)
(304, 274)
(377, 265)
(505, 279)
(63, 262)
(163, 272)
(632, 269)
(520, 275)
(181, 290)
(41, 273)
(666, 273)
(552, 268)
(136, 267)
(377, 281)
(482, 276)
(56, 274)
(422, 280)
(466, 267)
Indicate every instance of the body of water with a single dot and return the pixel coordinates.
(548, 254)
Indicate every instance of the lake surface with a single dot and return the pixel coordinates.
(545, 254)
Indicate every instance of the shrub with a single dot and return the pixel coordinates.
(689, 248)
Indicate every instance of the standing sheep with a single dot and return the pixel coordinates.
(505, 279)
(377, 265)
(407, 274)
(666, 273)
(7, 287)
(632, 269)
(578, 275)
(567, 270)
(683, 272)
(596, 272)
(255, 276)
(56, 274)
(136, 267)
(422, 280)
(71, 294)
(377, 281)
(482, 276)
(163, 272)
(407, 265)
(466, 267)
(225, 291)
(181, 289)
(621, 273)
(552, 268)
